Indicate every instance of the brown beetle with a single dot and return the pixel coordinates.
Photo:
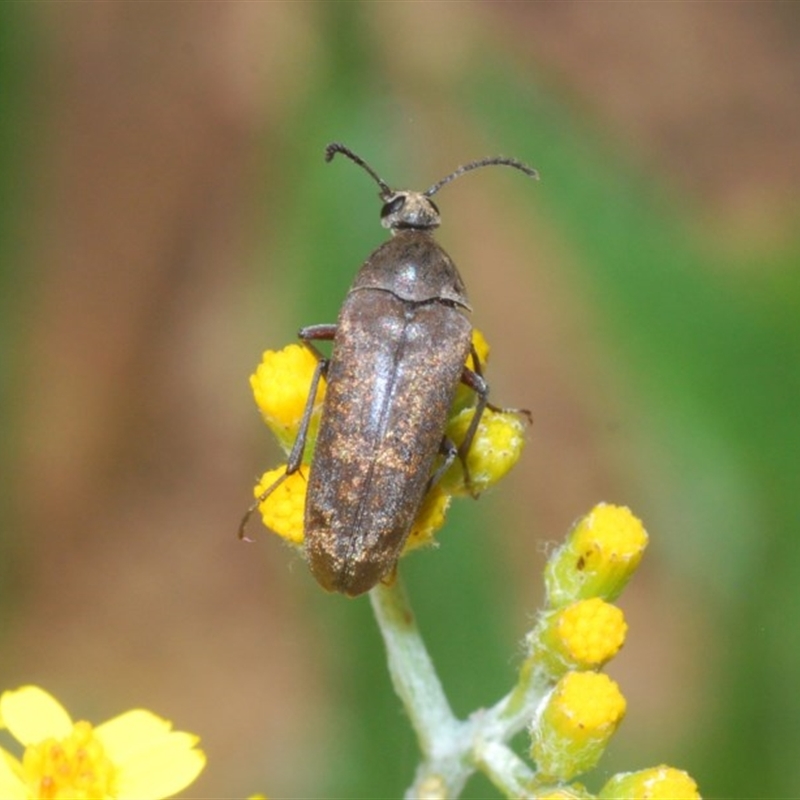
(399, 352)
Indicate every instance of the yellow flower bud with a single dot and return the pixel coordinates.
(601, 553)
(495, 449)
(583, 636)
(575, 724)
(281, 384)
(656, 783)
(283, 510)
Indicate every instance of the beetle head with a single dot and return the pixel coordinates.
(406, 209)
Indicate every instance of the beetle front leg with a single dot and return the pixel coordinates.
(478, 370)
(309, 334)
(298, 448)
(317, 333)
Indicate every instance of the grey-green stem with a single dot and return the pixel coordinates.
(452, 749)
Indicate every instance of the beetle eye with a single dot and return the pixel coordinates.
(393, 206)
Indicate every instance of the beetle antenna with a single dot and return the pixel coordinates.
(334, 147)
(484, 162)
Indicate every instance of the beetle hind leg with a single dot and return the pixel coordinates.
(449, 451)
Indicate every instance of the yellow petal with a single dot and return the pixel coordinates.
(32, 715)
(161, 771)
(153, 760)
(11, 784)
(127, 734)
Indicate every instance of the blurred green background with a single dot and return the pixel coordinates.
(166, 215)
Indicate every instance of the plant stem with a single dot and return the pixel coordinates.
(411, 669)
(452, 749)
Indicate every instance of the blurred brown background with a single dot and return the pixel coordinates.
(168, 215)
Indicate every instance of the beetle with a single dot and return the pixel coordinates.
(399, 350)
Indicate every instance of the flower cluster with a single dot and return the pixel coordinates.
(282, 384)
(570, 708)
(577, 633)
(135, 756)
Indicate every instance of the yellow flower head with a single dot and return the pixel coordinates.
(135, 756)
(575, 724)
(584, 635)
(495, 449)
(283, 509)
(656, 783)
(601, 553)
(281, 384)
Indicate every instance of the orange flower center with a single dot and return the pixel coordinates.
(73, 768)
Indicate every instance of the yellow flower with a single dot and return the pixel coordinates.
(584, 635)
(280, 385)
(600, 555)
(135, 756)
(495, 449)
(579, 717)
(656, 783)
(283, 509)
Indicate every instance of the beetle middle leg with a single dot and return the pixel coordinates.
(475, 381)
(307, 335)
(478, 370)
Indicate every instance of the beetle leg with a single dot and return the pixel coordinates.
(476, 382)
(316, 333)
(295, 459)
(477, 367)
(259, 500)
(478, 370)
(307, 335)
(447, 449)
(298, 448)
